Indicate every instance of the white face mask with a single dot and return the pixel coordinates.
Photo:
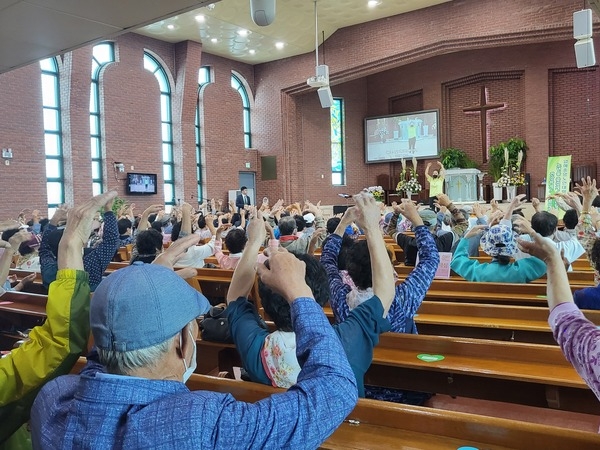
(189, 370)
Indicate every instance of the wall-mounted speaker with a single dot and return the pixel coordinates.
(582, 24)
(325, 97)
(584, 53)
(262, 12)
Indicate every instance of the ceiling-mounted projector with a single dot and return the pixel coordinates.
(321, 79)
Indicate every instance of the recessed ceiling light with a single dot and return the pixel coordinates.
(200, 18)
(252, 52)
(243, 32)
(279, 45)
(214, 40)
(373, 3)
(171, 26)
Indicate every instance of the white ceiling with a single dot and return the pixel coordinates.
(294, 25)
(31, 30)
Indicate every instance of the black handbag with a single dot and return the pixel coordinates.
(214, 326)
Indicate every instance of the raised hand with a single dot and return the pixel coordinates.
(18, 238)
(476, 231)
(60, 215)
(443, 200)
(176, 250)
(573, 200)
(285, 275)
(409, 210)
(79, 221)
(495, 217)
(477, 210)
(256, 229)
(523, 226)
(588, 190)
(539, 247)
(367, 212)
(9, 224)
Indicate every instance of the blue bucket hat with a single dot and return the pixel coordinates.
(142, 305)
(499, 240)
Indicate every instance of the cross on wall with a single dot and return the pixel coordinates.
(484, 109)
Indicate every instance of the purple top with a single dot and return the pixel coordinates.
(579, 340)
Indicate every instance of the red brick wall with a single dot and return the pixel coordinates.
(23, 182)
(223, 128)
(369, 64)
(575, 115)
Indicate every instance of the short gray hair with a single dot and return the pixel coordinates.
(287, 225)
(123, 363)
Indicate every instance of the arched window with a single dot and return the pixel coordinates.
(204, 77)
(55, 182)
(238, 85)
(102, 54)
(338, 171)
(151, 64)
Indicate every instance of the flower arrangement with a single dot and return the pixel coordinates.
(377, 191)
(511, 172)
(408, 179)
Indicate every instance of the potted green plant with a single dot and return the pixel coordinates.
(455, 158)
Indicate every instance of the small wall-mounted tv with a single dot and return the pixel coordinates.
(398, 136)
(141, 183)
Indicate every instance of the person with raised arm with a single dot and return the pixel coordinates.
(444, 243)
(498, 241)
(143, 319)
(95, 261)
(196, 254)
(275, 358)
(52, 348)
(577, 337)
(408, 294)
(436, 183)
(9, 249)
(589, 298)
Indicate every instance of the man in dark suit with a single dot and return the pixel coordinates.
(243, 199)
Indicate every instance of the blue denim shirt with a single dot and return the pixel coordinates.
(76, 412)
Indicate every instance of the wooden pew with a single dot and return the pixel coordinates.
(529, 374)
(382, 425)
(498, 293)
(24, 303)
(20, 274)
(580, 277)
(19, 311)
(488, 321)
(35, 287)
(579, 264)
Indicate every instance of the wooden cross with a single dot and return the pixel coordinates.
(487, 108)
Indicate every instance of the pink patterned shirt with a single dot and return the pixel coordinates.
(226, 261)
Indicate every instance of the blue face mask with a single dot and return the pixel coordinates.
(189, 370)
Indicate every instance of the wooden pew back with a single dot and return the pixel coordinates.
(382, 425)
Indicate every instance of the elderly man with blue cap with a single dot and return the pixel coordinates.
(132, 394)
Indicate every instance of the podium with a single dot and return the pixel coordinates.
(461, 185)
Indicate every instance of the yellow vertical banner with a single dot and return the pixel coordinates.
(558, 178)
